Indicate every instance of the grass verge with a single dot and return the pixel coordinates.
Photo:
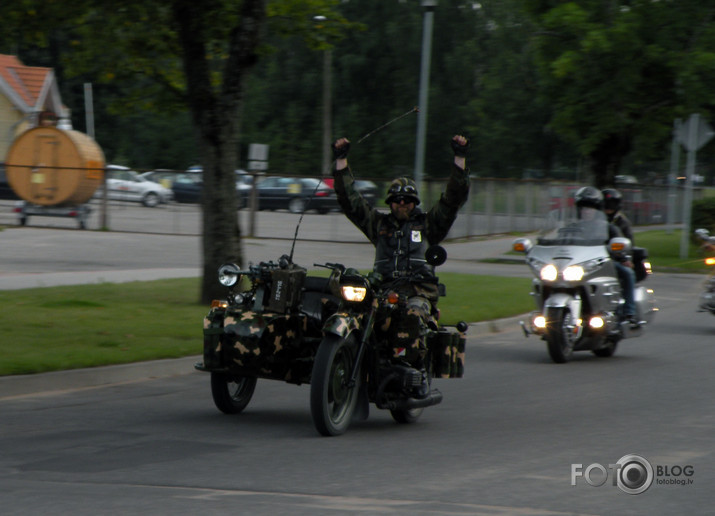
(58, 328)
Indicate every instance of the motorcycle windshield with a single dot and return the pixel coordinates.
(589, 229)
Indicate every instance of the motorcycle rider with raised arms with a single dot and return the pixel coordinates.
(401, 238)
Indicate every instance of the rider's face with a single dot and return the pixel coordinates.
(402, 209)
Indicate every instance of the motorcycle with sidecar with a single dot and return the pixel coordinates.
(279, 323)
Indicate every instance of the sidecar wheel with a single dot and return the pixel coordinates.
(407, 416)
(332, 401)
(559, 334)
(231, 393)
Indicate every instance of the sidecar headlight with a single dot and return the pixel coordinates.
(549, 273)
(228, 274)
(353, 293)
(573, 273)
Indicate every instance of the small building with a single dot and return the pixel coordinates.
(29, 96)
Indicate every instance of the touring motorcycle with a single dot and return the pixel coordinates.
(707, 298)
(578, 296)
(279, 323)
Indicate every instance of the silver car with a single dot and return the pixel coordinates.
(124, 184)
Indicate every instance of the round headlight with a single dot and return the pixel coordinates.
(228, 274)
(549, 273)
(573, 273)
(353, 293)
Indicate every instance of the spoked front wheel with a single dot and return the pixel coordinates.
(560, 335)
(332, 398)
(231, 393)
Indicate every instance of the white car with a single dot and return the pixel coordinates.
(124, 184)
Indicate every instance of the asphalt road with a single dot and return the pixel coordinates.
(504, 441)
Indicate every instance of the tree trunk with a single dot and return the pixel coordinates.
(215, 113)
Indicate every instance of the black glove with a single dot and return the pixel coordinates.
(342, 151)
(459, 150)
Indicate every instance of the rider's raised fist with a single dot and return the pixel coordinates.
(340, 148)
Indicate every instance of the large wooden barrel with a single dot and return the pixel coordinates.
(54, 167)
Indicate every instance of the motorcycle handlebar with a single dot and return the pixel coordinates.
(328, 265)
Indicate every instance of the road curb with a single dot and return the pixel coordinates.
(13, 386)
(58, 381)
(496, 325)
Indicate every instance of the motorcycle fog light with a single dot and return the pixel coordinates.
(549, 273)
(351, 293)
(596, 322)
(540, 322)
(573, 273)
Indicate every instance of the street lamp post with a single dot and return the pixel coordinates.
(327, 109)
(429, 6)
(327, 103)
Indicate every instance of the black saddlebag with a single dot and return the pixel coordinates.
(447, 347)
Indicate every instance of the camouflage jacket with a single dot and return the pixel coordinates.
(384, 230)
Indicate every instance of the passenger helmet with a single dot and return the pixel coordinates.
(402, 187)
(612, 199)
(589, 197)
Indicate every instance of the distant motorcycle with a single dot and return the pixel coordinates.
(576, 289)
(707, 298)
(278, 323)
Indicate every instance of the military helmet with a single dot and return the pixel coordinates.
(612, 199)
(402, 187)
(589, 197)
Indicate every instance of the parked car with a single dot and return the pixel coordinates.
(187, 186)
(124, 184)
(162, 176)
(6, 192)
(296, 194)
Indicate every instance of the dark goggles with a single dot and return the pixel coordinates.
(397, 199)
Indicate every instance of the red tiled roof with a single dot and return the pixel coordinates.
(27, 81)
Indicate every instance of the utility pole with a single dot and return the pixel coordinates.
(429, 6)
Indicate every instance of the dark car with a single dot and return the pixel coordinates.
(187, 187)
(296, 194)
(6, 192)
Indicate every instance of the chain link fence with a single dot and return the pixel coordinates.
(494, 206)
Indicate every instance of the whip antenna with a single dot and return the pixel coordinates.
(403, 115)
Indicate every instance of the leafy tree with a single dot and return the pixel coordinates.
(175, 53)
(618, 73)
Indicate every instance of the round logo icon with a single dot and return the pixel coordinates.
(635, 475)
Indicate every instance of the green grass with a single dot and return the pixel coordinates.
(58, 328)
(48, 329)
(664, 251)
